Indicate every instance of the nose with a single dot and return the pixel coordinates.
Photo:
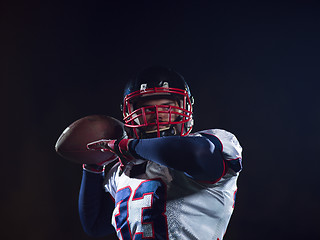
(157, 112)
(163, 113)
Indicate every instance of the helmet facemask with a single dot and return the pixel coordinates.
(158, 120)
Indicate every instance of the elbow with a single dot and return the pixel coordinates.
(89, 228)
(95, 228)
(212, 176)
(210, 168)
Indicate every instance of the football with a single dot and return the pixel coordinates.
(72, 143)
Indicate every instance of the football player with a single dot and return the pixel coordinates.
(168, 183)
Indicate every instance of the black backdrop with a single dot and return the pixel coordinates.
(253, 68)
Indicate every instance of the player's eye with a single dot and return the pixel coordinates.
(149, 109)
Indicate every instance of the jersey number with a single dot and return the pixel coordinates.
(149, 198)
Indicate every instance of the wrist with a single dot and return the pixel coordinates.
(123, 146)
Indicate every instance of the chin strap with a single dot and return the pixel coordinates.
(170, 131)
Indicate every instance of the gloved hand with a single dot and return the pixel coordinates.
(99, 167)
(119, 147)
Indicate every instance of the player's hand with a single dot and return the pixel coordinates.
(119, 147)
(100, 166)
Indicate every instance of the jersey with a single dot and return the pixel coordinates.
(163, 203)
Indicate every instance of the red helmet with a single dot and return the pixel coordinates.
(157, 83)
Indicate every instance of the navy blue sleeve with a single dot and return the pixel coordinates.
(197, 156)
(95, 206)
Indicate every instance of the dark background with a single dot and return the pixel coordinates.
(253, 68)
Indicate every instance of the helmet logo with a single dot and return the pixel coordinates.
(164, 84)
(143, 87)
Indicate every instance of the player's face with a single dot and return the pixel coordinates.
(163, 107)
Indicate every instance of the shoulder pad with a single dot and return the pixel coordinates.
(228, 144)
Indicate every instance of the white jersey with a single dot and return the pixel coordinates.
(167, 204)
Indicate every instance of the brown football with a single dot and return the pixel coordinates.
(72, 143)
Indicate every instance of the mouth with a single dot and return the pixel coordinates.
(161, 128)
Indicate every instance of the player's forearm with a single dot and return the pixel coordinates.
(95, 206)
(195, 155)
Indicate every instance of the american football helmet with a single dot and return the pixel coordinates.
(172, 119)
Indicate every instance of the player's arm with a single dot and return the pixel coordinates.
(95, 205)
(197, 156)
(205, 156)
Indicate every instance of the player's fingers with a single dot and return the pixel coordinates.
(99, 145)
